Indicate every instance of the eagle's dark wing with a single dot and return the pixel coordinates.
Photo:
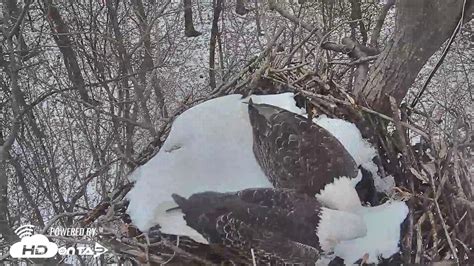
(278, 225)
(294, 152)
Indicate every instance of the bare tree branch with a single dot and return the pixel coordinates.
(380, 21)
(274, 5)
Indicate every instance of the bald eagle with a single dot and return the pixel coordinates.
(298, 154)
(276, 226)
(283, 226)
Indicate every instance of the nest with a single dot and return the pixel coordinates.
(432, 176)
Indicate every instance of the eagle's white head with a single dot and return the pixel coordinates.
(340, 195)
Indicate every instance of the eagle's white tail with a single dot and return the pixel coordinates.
(335, 226)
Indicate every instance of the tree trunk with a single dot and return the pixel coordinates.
(189, 30)
(7, 139)
(5, 229)
(212, 45)
(422, 26)
(60, 33)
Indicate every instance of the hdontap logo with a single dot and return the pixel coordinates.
(38, 246)
(32, 245)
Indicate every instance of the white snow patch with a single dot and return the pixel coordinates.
(209, 148)
(382, 223)
(415, 140)
(361, 150)
(385, 184)
(349, 135)
(383, 233)
(284, 100)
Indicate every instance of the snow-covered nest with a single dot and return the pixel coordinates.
(209, 148)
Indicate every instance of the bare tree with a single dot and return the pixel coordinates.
(217, 5)
(189, 30)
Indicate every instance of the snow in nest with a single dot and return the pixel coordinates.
(349, 135)
(360, 149)
(383, 233)
(382, 223)
(209, 148)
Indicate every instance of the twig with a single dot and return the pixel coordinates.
(183, 253)
(127, 249)
(253, 257)
(419, 239)
(466, 248)
(273, 5)
(443, 223)
(434, 232)
(232, 82)
(460, 191)
(290, 56)
(4, 257)
(355, 62)
(444, 179)
(280, 70)
(365, 109)
(114, 116)
(257, 76)
(407, 156)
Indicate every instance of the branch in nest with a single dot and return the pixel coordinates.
(350, 47)
(355, 62)
(365, 109)
(407, 156)
(102, 207)
(443, 222)
(419, 239)
(355, 51)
